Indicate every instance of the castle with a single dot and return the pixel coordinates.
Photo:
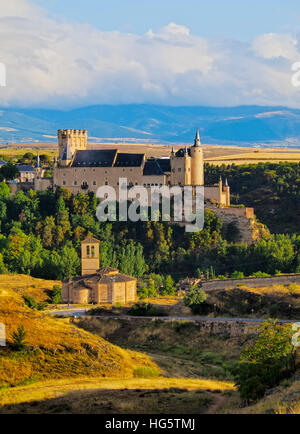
(82, 170)
(97, 285)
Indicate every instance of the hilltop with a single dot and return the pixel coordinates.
(54, 347)
(243, 125)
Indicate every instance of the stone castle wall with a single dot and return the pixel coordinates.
(244, 219)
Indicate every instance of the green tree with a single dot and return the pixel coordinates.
(18, 339)
(169, 288)
(4, 191)
(56, 295)
(194, 298)
(70, 263)
(264, 364)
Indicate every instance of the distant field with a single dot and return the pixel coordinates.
(212, 154)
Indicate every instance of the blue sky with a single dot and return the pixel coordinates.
(71, 53)
(237, 19)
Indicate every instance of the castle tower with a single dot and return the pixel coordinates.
(227, 193)
(37, 168)
(220, 191)
(66, 156)
(76, 139)
(90, 257)
(197, 168)
(187, 168)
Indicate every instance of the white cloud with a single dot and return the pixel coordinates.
(61, 64)
(272, 45)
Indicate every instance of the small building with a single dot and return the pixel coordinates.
(27, 173)
(97, 285)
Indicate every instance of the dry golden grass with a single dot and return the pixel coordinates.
(56, 348)
(213, 154)
(51, 389)
(285, 400)
(18, 151)
(255, 157)
(282, 290)
(17, 285)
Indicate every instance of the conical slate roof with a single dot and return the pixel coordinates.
(197, 142)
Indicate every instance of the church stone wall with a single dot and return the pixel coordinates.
(131, 291)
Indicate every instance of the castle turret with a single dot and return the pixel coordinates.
(90, 256)
(76, 139)
(66, 156)
(220, 190)
(37, 168)
(227, 193)
(37, 163)
(197, 169)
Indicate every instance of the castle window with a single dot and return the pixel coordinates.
(179, 170)
(94, 183)
(87, 250)
(75, 182)
(106, 183)
(64, 182)
(93, 251)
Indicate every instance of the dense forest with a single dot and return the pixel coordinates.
(41, 234)
(272, 189)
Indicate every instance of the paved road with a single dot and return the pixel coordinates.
(80, 312)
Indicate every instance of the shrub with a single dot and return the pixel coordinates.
(269, 360)
(169, 288)
(260, 274)
(194, 298)
(237, 275)
(30, 302)
(18, 339)
(146, 372)
(33, 304)
(56, 296)
(145, 309)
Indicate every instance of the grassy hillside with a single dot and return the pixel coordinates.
(18, 285)
(54, 347)
(277, 301)
(112, 396)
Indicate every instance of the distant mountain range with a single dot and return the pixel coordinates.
(242, 126)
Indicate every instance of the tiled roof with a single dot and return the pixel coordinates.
(88, 240)
(103, 275)
(165, 164)
(94, 158)
(181, 152)
(129, 160)
(152, 168)
(24, 168)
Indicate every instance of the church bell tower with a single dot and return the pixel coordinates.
(90, 257)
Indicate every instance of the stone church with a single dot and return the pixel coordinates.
(82, 170)
(97, 285)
